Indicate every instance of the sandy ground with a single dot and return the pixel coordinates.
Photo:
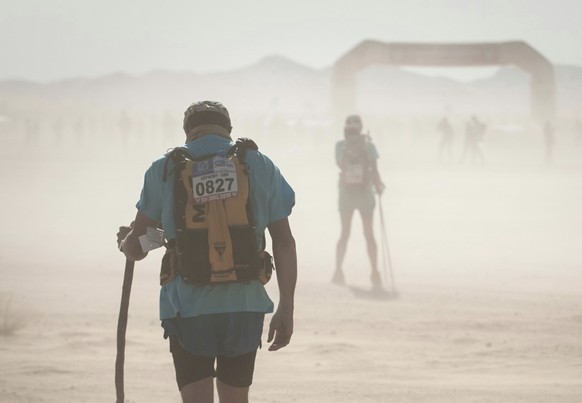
(487, 262)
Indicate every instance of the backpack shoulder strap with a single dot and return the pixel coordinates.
(240, 148)
(180, 155)
(177, 154)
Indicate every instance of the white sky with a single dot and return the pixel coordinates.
(47, 40)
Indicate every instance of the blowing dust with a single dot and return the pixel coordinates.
(485, 257)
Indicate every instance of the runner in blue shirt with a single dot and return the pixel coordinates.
(223, 321)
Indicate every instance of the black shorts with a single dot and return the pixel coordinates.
(234, 371)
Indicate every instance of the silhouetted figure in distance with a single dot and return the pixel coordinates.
(549, 141)
(474, 134)
(356, 157)
(446, 143)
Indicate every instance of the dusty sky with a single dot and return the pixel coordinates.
(47, 40)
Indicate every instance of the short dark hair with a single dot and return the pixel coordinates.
(207, 118)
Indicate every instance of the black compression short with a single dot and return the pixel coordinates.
(233, 371)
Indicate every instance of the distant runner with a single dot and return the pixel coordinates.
(474, 134)
(549, 141)
(446, 143)
(356, 157)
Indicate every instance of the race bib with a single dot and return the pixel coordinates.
(214, 179)
(354, 174)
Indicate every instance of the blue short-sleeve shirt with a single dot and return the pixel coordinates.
(272, 199)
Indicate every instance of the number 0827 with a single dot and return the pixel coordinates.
(214, 186)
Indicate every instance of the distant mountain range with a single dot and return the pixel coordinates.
(277, 86)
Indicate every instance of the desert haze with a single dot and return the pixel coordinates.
(487, 258)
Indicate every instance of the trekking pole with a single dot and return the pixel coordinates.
(385, 248)
(121, 327)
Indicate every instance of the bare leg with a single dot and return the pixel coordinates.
(346, 226)
(371, 245)
(201, 391)
(231, 394)
(479, 153)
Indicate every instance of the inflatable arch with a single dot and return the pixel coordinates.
(517, 53)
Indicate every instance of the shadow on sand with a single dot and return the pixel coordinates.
(374, 293)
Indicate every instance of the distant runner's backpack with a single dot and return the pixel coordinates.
(355, 162)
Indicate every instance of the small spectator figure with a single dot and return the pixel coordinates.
(549, 141)
(170, 127)
(474, 134)
(79, 129)
(31, 129)
(124, 126)
(446, 143)
(58, 129)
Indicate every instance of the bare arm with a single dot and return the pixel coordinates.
(285, 255)
(127, 237)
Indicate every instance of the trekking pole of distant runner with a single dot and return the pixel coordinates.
(386, 259)
(121, 327)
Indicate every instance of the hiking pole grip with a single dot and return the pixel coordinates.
(121, 327)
